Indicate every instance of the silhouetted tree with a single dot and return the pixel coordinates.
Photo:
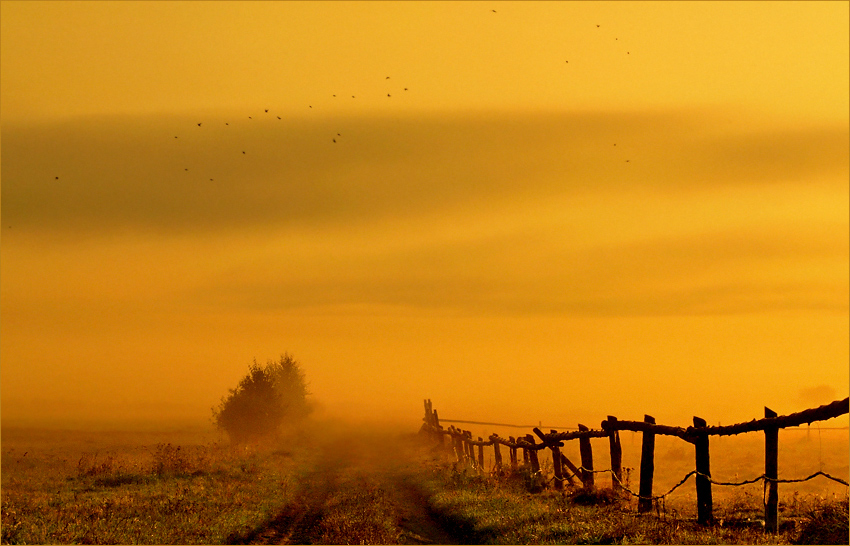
(267, 397)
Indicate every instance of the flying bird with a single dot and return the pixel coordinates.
(226, 123)
(494, 11)
(199, 125)
(334, 140)
(388, 77)
(405, 88)
(57, 178)
(388, 94)
(267, 110)
(278, 117)
(249, 117)
(243, 151)
(597, 26)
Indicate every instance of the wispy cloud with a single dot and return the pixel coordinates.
(133, 174)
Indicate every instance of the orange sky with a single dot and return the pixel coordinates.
(573, 210)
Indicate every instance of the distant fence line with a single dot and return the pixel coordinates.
(698, 435)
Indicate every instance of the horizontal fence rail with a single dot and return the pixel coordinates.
(564, 470)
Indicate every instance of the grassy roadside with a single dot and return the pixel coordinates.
(489, 510)
(165, 494)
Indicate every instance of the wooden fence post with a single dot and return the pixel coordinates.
(436, 422)
(704, 504)
(771, 471)
(532, 454)
(616, 455)
(557, 469)
(512, 449)
(497, 455)
(470, 449)
(586, 459)
(480, 454)
(458, 443)
(647, 467)
(525, 458)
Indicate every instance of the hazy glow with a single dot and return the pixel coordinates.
(664, 215)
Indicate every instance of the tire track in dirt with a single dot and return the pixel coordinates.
(345, 468)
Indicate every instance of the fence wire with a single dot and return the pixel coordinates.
(696, 473)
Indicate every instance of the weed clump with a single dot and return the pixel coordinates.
(596, 497)
(827, 524)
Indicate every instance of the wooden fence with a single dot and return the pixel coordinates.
(564, 470)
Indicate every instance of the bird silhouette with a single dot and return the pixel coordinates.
(57, 178)
(311, 106)
(243, 151)
(334, 140)
(388, 94)
(249, 117)
(199, 125)
(597, 26)
(278, 117)
(185, 169)
(267, 110)
(388, 77)
(494, 11)
(226, 123)
(405, 88)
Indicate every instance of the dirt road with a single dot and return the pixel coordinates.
(357, 490)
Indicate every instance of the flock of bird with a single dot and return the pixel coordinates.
(333, 137)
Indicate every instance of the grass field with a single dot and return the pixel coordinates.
(330, 484)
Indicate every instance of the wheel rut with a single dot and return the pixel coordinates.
(351, 478)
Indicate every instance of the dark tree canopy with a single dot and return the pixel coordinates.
(267, 397)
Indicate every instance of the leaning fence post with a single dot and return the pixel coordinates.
(616, 454)
(771, 470)
(704, 504)
(573, 469)
(647, 467)
(586, 458)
